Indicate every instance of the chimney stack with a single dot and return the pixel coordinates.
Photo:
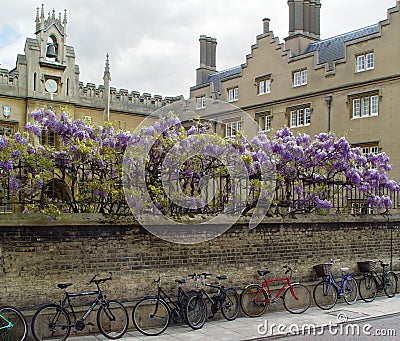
(304, 24)
(208, 51)
(265, 25)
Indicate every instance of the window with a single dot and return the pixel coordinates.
(263, 85)
(200, 102)
(365, 106)
(8, 128)
(365, 62)
(48, 137)
(367, 148)
(233, 94)
(232, 128)
(264, 122)
(300, 78)
(300, 117)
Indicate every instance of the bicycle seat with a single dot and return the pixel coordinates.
(64, 285)
(180, 281)
(263, 272)
(344, 269)
(384, 265)
(221, 277)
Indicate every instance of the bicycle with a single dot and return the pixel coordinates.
(53, 321)
(328, 290)
(225, 300)
(152, 314)
(371, 283)
(256, 298)
(13, 326)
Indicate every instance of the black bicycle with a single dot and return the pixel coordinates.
(53, 321)
(225, 300)
(13, 325)
(371, 283)
(152, 314)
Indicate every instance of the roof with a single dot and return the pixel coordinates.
(332, 49)
(216, 77)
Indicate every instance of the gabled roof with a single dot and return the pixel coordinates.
(332, 49)
(221, 75)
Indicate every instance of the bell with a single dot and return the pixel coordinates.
(51, 51)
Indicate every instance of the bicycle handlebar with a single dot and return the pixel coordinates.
(101, 280)
(333, 261)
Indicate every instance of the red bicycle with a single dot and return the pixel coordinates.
(256, 298)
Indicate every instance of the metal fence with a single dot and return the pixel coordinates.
(87, 188)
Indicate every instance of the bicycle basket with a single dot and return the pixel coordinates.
(367, 266)
(323, 270)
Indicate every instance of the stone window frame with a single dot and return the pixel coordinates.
(200, 102)
(264, 81)
(299, 116)
(364, 105)
(264, 121)
(299, 77)
(233, 94)
(364, 61)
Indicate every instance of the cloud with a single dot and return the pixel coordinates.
(153, 45)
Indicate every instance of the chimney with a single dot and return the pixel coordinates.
(265, 25)
(304, 27)
(208, 51)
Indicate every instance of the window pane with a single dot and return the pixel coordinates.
(300, 117)
(364, 106)
(228, 130)
(360, 64)
(261, 123)
(239, 125)
(235, 94)
(293, 119)
(268, 122)
(374, 150)
(261, 88)
(356, 107)
(370, 61)
(374, 105)
(307, 116)
(268, 86)
(296, 78)
(303, 77)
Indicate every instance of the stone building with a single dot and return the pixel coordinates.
(347, 84)
(46, 76)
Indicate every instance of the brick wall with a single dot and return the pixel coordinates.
(35, 254)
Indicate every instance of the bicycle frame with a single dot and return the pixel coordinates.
(66, 302)
(220, 295)
(332, 281)
(9, 323)
(285, 285)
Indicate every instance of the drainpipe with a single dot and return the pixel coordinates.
(328, 101)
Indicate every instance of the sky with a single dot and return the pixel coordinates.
(154, 44)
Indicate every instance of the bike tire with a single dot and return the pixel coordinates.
(368, 287)
(350, 290)
(19, 329)
(196, 312)
(51, 322)
(325, 295)
(390, 284)
(297, 298)
(230, 305)
(183, 299)
(254, 300)
(112, 319)
(151, 316)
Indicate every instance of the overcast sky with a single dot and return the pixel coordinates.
(153, 44)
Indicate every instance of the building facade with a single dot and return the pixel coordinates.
(46, 76)
(348, 84)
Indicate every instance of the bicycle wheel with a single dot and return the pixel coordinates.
(367, 287)
(230, 305)
(325, 295)
(13, 325)
(112, 319)
(254, 300)
(390, 286)
(51, 322)
(196, 312)
(297, 298)
(151, 315)
(183, 299)
(350, 290)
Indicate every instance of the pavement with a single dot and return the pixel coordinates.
(275, 323)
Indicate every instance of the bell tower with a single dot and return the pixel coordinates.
(48, 67)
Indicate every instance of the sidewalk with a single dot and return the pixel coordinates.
(245, 328)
